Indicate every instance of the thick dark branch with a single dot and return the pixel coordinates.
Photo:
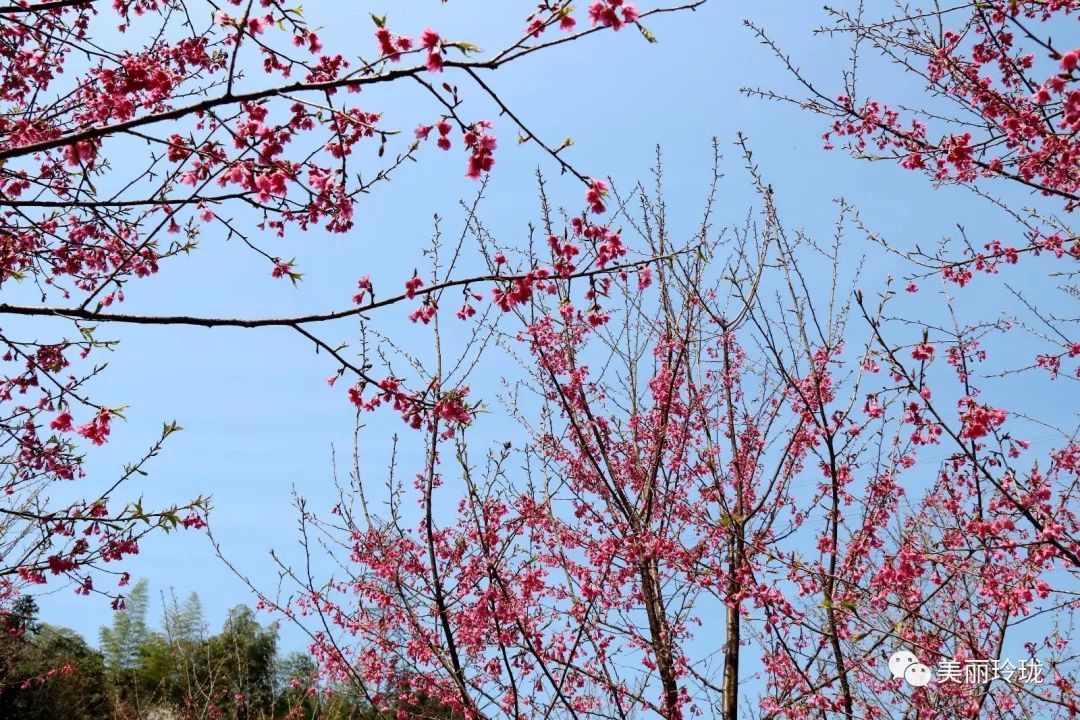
(94, 316)
(43, 7)
(156, 202)
(94, 133)
(353, 80)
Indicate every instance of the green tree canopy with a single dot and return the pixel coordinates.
(121, 643)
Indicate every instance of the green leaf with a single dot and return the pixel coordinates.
(647, 34)
(379, 21)
(465, 47)
(170, 517)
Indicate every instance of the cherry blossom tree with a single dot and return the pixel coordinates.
(131, 130)
(721, 508)
(976, 95)
(985, 99)
(750, 472)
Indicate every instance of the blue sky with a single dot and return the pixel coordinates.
(258, 416)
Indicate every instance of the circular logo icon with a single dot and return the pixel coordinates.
(917, 675)
(900, 661)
